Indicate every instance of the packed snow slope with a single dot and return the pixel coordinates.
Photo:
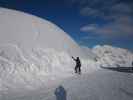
(100, 85)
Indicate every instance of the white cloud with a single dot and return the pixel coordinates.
(87, 28)
(118, 17)
(123, 27)
(86, 11)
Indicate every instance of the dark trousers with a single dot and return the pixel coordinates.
(77, 69)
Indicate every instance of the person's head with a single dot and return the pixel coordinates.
(77, 57)
(60, 87)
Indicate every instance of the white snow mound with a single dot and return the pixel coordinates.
(108, 56)
(28, 31)
(34, 51)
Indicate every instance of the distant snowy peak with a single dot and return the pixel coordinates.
(109, 56)
(107, 49)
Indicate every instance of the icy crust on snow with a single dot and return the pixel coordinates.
(29, 70)
(108, 56)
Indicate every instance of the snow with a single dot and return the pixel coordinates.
(89, 52)
(109, 56)
(35, 59)
(101, 85)
(28, 32)
(34, 51)
(18, 71)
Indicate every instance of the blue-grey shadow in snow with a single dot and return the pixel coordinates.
(60, 93)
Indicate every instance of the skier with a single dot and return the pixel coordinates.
(78, 65)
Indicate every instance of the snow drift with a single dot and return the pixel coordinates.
(108, 56)
(28, 31)
(34, 69)
(33, 51)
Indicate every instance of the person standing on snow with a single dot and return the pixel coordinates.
(78, 65)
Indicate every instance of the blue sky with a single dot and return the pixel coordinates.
(88, 22)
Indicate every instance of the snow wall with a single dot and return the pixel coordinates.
(32, 49)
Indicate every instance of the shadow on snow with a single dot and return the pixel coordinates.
(120, 69)
(60, 93)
